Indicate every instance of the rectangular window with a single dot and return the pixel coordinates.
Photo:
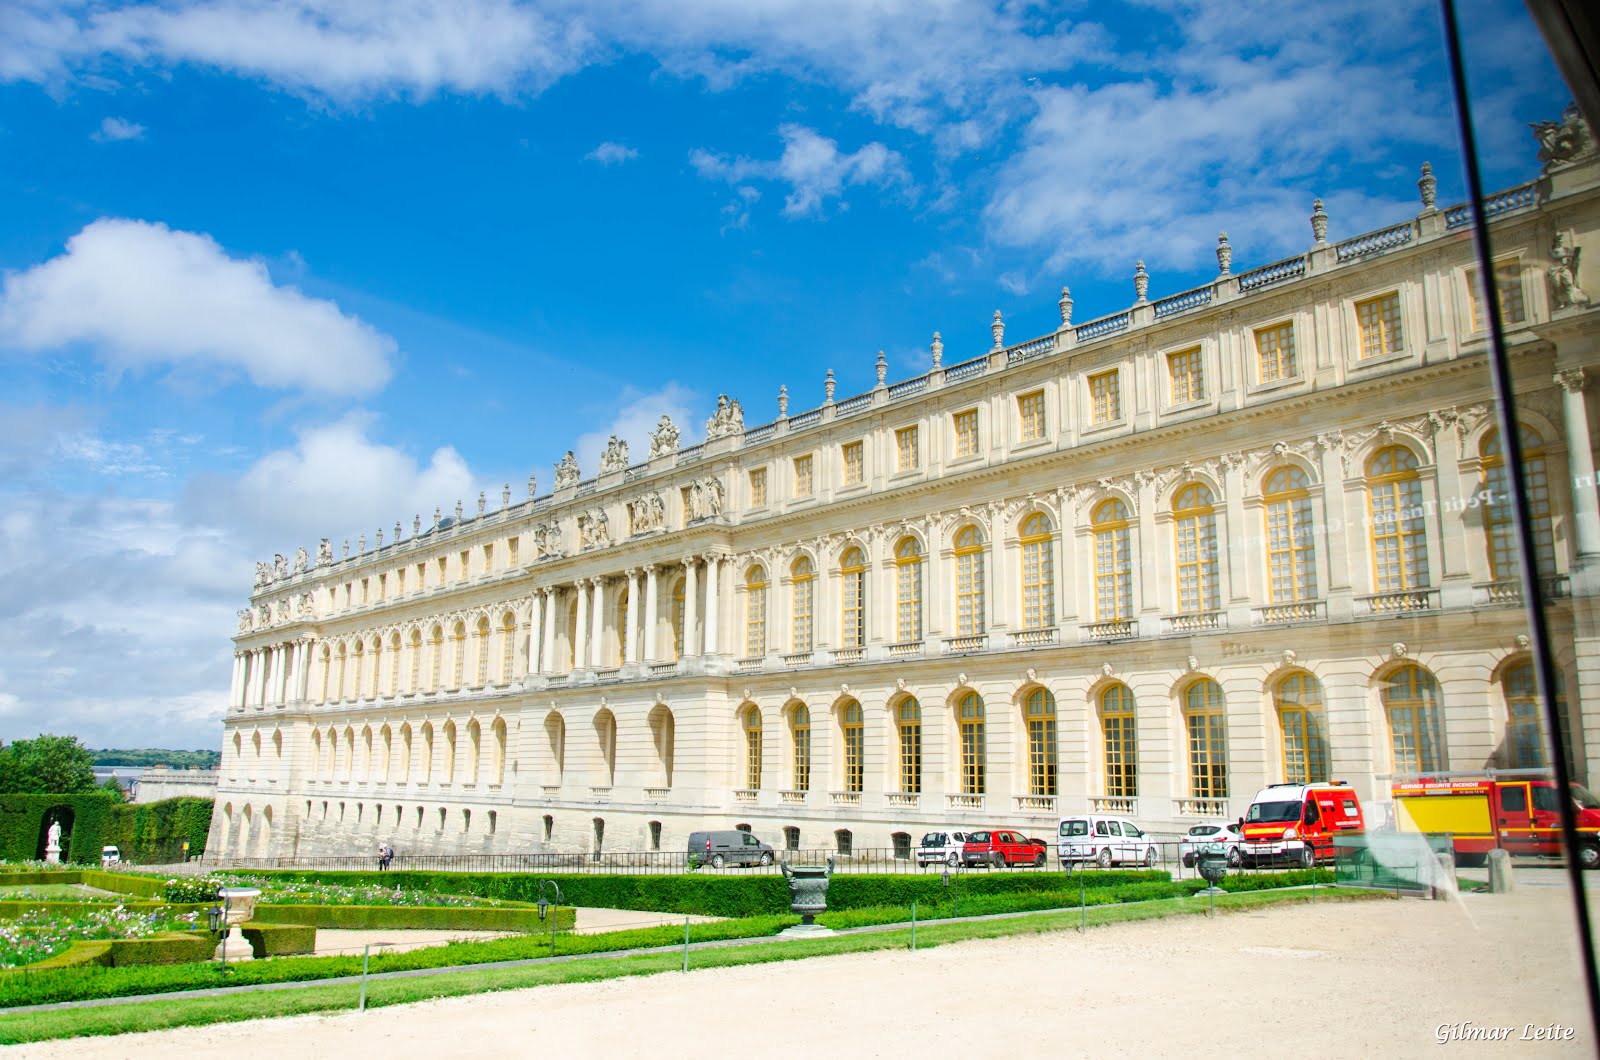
(906, 448)
(1508, 285)
(1030, 416)
(1275, 353)
(1379, 320)
(364, 587)
(855, 464)
(488, 559)
(1105, 392)
(803, 484)
(465, 567)
(511, 552)
(758, 487)
(400, 582)
(966, 427)
(1183, 371)
(1208, 756)
(444, 570)
(383, 587)
(422, 576)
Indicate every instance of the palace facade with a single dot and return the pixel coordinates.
(1253, 532)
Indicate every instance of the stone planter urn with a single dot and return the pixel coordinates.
(238, 903)
(1212, 864)
(808, 896)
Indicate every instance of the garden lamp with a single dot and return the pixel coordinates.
(544, 907)
(214, 917)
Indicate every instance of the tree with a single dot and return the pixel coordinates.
(46, 765)
(113, 787)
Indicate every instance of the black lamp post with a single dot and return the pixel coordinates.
(956, 905)
(545, 906)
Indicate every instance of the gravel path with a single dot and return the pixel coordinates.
(1357, 979)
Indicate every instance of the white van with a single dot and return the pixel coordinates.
(110, 856)
(1106, 841)
(944, 846)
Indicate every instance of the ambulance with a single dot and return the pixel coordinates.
(1517, 811)
(1294, 824)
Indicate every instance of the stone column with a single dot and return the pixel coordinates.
(691, 606)
(630, 620)
(713, 603)
(597, 621)
(581, 630)
(535, 630)
(303, 672)
(549, 660)
(1580, 461)
(651, 615)
(233, 685)
(263, 664)
(286, 659)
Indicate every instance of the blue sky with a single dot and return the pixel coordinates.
(278, 271)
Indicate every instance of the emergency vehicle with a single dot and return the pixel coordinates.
(1295, 824)
(1516, 811)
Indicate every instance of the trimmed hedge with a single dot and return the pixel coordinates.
(520, 918)
(174, 948)
(10, 909)
(120, 882)
(147, 832)
(22, 826)
(95, 952)
(279, 940)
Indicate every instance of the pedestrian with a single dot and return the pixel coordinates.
(383, 860)
(388, 856)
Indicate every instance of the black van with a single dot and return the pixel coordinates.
(729, 848)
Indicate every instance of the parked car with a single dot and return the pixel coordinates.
(1201, 836)
(942, 847)
(729, 848)
(998, 847)
(1295, 824)
(1519, 814)
(1106, 841)
(110, 856)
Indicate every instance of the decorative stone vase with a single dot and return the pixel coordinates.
(808, 895)
(1212, 864)
(238, 904)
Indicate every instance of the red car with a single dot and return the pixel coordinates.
(998, 847)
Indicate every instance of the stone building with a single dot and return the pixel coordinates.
(1252, 532)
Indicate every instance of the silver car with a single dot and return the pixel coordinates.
(1201, 836)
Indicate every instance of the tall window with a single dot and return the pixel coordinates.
(394, 664)
(1525, 740)
(908, 591)
(1291, 547)
(1041, 711)
(969, 713)
(483, 652)
(1379, 321)
(1038, 573)
(852, 599)
(908, 718)
(416, 662)
(800, 726)
(1105, 397)
(1208, 740)
(1030, 416)
(905, 444)
(804, 484)
(1120, 743)
(1497, 505)
(758, 487)
(512, 558)
(966, 428)
(1113, 562)
(1275, 359)
(1508, 286)
(678, 618)
(360, 665)
(755, 612)
(436, 660)
(970, 611)
(343, 658)
(854, 747)
(752, 748)
(1184, 376)
(855, 464)
(803, 605)
(1194, 523)
(508, 645)
(1305, 730)
(1416, 733)
(1399, 537)
(459, 650)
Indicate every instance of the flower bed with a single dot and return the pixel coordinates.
(282, 890)
(39, 934)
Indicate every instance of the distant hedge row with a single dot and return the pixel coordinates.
(151, 832)
(143, 832)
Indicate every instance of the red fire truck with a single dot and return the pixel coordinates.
(1517, 811)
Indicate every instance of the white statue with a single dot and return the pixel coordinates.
(615, 458)
(728, 419)
(664, 439)
(52, 847)
(324, 553)
(567, 471)
(302, 561)
(593, 530)
(712, 497)
(1564, 257)
(263, 574)
(280, 567)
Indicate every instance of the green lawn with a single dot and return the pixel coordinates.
(57, 892)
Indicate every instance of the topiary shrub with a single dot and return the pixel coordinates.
(279, 940)
(191, 889)
(176, 948)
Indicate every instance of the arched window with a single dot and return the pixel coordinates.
(343, 658)
(1399, 535)
(327, 667)
(405, 753)
(416, 662)
(852, 598)
(1291, 546)
(755, 612)
(1305, 729)
(752, 748)
(1113, 562)
(854, 746)
(508, 645)
(664, 734)
(1194, 523)
(459, 655)
(677, 618)
(366, 753)
(386, 749)
(800, 733)
(1120, 742)
(969, 711)
(1497, 507)
(357, 684)
(474, 750)
(605, 727)
(621, 619)
(377, 666)
(349, 753)
(1040, 707)
(803, 605)
(1208, 740)
(499, 731)
(970, 610)
(483, 653)
(555, 730)
(394, 664)
(1416, 732)
(449, 752)
(427, 752)
(1525, 739)
(908, 591)
(333, 753)
(436, 662)
(1038, 573)
(908, 718)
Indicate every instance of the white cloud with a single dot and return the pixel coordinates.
(142, 295)
(612, 154)
(635, 418)
(114, 129)
(812, 165)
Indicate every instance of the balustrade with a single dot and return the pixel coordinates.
(1200, 807)
(1033, 638)
(1122, 805)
